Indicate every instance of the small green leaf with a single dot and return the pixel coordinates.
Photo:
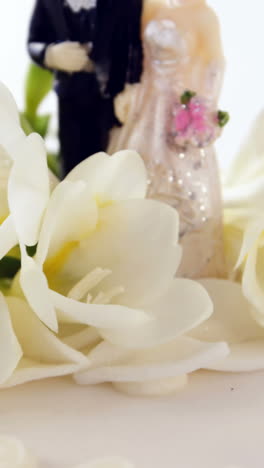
(37, 86)
(222, 117)
(9, 266)
(187, 96)
(25, 124)
(54, 164)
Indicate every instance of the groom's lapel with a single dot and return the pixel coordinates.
(56, 11)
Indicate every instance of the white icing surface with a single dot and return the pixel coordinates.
(215, 422)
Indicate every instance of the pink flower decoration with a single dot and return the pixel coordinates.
(183, 120)
(194, 123)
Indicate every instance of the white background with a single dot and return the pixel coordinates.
(243, 37)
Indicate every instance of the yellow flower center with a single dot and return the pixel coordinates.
(55, 263)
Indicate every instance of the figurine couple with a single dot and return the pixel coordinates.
(95, 49)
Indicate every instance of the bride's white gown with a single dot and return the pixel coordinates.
(186, 178)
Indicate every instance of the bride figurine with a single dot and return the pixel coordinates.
(171, 119)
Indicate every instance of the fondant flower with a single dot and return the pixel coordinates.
(244, 220)
(251, 263)
(193, 122)
(28, 350)
(13, 454)
(107, 257)
(233, 321)
(157, 371)
(4, 175)
(24, 179)
(243, 184)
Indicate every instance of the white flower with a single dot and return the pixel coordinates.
(244, 180)
(28, 350)
(244, 219)
(106, 258)
(251, 266)
(14, 455)
(4, 175)
(232, 322)
(156, 371)
(23, 162)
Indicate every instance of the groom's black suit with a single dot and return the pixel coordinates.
(86, 99)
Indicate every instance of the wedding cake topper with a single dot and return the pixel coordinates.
(173, 120)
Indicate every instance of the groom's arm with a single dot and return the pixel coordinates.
(41, 33)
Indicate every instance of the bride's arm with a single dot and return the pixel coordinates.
(123, 102)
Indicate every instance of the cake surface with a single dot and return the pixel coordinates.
(216, 422)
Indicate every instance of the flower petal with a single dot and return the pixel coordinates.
(244, 357)
(96, 315)
(182, 356)
(251, 153)
(86, 338)
(251, 235)
(28, 189)
(233, 238)
(119, 177)
(36, 289)
(232, 319)
(10, 350)
(70, 215)
(184, 306)
(8, 236)
(138, 241)
(249, 195)
(11, 134)
(253, 283)
(44, 355)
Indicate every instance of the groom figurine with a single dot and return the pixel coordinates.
(94, 49)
